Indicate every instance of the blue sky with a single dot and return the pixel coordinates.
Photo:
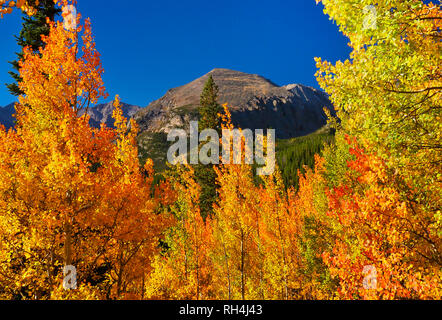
(148, 47)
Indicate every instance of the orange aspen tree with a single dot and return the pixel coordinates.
(71, 194)
(54, 149)
(310, 234)
(133, 220)
(386, 248)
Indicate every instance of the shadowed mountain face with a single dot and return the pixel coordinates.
(102, 113)
(6, 117)
(255, 103)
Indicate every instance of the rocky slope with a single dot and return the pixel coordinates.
(255, 103)
(102, 113)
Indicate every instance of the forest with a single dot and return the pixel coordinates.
(351, 212)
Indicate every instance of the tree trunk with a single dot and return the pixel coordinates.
(242, 267)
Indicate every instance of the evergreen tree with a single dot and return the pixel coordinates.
(208, 119)
(33, 28)
(209, 107)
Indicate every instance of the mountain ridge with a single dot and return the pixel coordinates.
(100, 113)
(6, 115)
(254, 101)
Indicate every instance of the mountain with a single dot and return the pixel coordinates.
(254, 101)
(6, 117)
(102, 113)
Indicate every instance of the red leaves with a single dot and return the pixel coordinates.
(377, 227)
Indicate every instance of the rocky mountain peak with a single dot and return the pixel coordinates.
(254, 101)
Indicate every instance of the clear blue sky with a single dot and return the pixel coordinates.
(148, 47)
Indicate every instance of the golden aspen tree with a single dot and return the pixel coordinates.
(279, 258)
(236, 254)
(234, 234)
(183, 270)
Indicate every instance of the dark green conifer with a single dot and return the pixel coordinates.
(208, 119)
(33, 28)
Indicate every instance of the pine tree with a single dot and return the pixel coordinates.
(208, 119)
(33, 28)
(209, 107)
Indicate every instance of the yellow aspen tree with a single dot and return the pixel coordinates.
(183, 270)
(388, 93)
(236, 254)
(279, 251)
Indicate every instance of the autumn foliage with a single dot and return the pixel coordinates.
(386, 234)
(364, 223)
(71, 194)
(6, 6)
